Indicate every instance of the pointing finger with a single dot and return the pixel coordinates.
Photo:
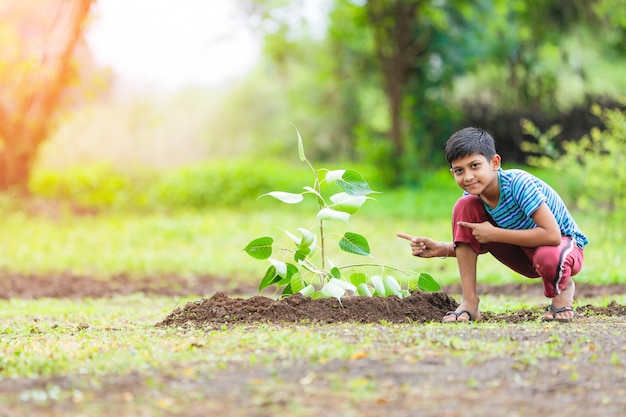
(466, 224)
(405, 236)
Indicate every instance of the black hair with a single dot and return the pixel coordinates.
(469, 141)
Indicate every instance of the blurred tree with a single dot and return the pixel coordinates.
(520, 37)
(393, 78)
(377, 63)
(38, 41)
(412, 49)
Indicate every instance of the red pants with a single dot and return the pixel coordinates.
(554, 264)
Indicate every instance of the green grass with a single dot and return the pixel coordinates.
(93, 357)
(211, 241)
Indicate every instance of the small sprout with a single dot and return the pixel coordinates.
(310, 271)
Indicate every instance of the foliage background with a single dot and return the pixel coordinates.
(129, 155)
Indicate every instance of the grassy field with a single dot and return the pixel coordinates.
(97, 357)
(211, 241)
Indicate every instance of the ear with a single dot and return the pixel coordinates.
(495, 162)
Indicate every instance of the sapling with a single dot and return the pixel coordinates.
(300, 273)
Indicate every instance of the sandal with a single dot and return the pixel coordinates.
(457, 314)
(556, 311)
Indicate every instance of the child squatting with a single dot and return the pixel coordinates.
(513, 215)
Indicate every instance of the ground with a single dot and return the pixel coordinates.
(222, 304)
(587, 378)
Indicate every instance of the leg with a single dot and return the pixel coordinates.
(467, 248)
(467, 260)
(556, 265)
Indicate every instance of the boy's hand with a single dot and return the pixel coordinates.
(424, 247)
(481, 231)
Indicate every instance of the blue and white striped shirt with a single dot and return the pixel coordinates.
(521, 194)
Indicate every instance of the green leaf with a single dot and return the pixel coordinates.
(427, 283)
(310, 268)
(335, 272)
(405, 293)
(260, 248)
(289, 198)
(293, 237)
(392, 287)
(320, 199)
(358, 278)
(300, 146)
(377, 282)
(281, 267)
(308, 290)
(284, 280)
(334, 176)
(343, 284)
(353, 183)
(330, 214)
(333, 290)
(347, 203)
(354, 243)
(301, 254)
(307, 237)
(296, 283)
(287, 291)
(316, 295)
(270, 278)
(364, 290)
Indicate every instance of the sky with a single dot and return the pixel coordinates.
(172, 43)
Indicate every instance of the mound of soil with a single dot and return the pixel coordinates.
(419, 307)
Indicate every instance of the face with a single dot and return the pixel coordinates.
(475, 174)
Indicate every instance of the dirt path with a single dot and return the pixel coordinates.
(536, 369)
(222, 305)
(14, 285)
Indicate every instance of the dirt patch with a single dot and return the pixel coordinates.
(419, 307)
(66, 285)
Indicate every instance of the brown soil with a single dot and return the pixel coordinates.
(222, 309)
(585, 377)
(419, 308)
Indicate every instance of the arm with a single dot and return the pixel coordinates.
(424, 247)
(547, 232)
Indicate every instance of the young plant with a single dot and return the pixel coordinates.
(301, 273)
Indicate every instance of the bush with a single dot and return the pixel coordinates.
(593, 169)
(94, 186)
(221, 183)
(234, 182)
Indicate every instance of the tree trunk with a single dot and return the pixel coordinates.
(397, 46)
(14, 171)
(29, 99)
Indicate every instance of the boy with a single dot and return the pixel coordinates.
(513, 215)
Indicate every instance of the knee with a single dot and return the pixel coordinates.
(469, 208)
(468, 204)
(547, 262)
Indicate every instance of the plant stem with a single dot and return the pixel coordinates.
(317, 187)
(322, 244)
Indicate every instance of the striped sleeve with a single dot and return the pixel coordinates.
(527, 193)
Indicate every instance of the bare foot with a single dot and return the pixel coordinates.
(565, 299)
(464, 312)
